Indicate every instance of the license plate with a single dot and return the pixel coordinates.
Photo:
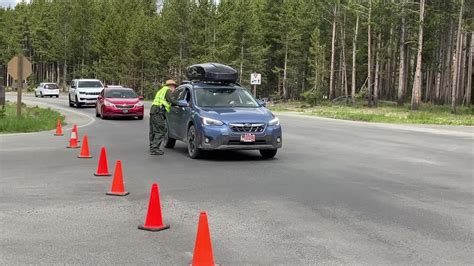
(125, 111)
(247, 138)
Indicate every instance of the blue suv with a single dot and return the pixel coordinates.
(215, 113)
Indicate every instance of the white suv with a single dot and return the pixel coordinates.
(47, 89)
(84, 92)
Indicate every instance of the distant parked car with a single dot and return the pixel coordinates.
(115, 101)
(47, 89)
(84, 92)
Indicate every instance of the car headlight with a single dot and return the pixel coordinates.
(107, 103)
(139, 104)
(274, 122)
(211, 122)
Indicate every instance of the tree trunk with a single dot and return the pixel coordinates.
(369, 55)
(181, 48)
(428, 85)
(467, 95)
(462, 68)
(285, 89)
(447, 73)
(454, 81)
(333, 53)
(438, 73)
(344, 67)
(416, 91)
(241, 59)
(354, 52)
(388, 68)
(401, 70)
(377, 68)
(58, 76)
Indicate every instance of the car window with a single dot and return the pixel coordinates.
(51, 86)
(89, 84)
(126, 94)
(188, 96)
(224, 97)
(181, 93)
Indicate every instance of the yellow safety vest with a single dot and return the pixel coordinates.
(160, 98)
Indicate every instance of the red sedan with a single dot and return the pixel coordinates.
(119, 102)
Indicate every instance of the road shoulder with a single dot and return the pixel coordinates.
(461, 131)
(72, 116)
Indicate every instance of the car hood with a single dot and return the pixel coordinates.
(123, 101)
(229, 115)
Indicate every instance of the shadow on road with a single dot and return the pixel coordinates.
(224, 156)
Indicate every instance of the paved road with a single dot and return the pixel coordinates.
(338, 192)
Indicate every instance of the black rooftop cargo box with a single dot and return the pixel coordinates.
(212, 72)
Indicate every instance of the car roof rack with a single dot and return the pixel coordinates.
(212, 72)
(214, 82)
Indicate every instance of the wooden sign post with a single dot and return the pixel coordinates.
(19, 68)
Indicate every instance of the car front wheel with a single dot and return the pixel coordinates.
(193, 150)
(41, 94)
(268, 154)
(77, 104)
(102, 115)
(70, 102)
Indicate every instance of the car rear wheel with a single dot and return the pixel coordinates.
(169, 142)
(268, 154)
(193, 150)
(140, 117)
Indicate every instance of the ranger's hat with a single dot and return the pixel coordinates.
(171, 82)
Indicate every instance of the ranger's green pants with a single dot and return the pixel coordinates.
(157, 128)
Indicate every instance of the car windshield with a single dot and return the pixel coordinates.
(90, 84)
(224, 97)
(120, 94)
(51, 86)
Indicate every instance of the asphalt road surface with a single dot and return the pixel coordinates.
(338, 192)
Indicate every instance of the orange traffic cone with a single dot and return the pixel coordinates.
(73, 141)
(74, 128)
(154, 220)
(59, 128)
(118, 189)
(203, 248)
(103, 166)
(85, 148)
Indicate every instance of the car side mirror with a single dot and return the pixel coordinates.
(140, 97)
(262, 103)
(183, 103)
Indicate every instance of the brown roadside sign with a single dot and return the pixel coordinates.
(17, 64)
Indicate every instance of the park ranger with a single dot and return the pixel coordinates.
(164, 98)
